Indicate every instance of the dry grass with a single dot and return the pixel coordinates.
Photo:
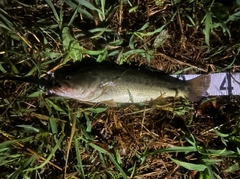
(52, 137)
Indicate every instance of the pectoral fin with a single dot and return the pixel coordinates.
(110, 103)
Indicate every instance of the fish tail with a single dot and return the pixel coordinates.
(198, 87)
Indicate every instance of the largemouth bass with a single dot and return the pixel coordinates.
(117, 84)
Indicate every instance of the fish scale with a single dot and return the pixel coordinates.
(101, 84)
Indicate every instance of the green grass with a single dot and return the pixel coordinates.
(53, 137)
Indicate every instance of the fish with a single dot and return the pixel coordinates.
(120, 84)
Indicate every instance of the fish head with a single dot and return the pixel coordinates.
(79, 87)
(62, 85)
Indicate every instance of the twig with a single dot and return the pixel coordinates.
(180, 62)
(69, 144)
(120, 16)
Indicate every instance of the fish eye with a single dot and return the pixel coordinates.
(68, 77)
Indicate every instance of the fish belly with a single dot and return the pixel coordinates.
(136, 93)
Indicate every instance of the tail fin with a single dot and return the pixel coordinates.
(198, 87)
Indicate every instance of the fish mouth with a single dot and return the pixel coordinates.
(61, 81)
(56, 90)
(59, 86)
